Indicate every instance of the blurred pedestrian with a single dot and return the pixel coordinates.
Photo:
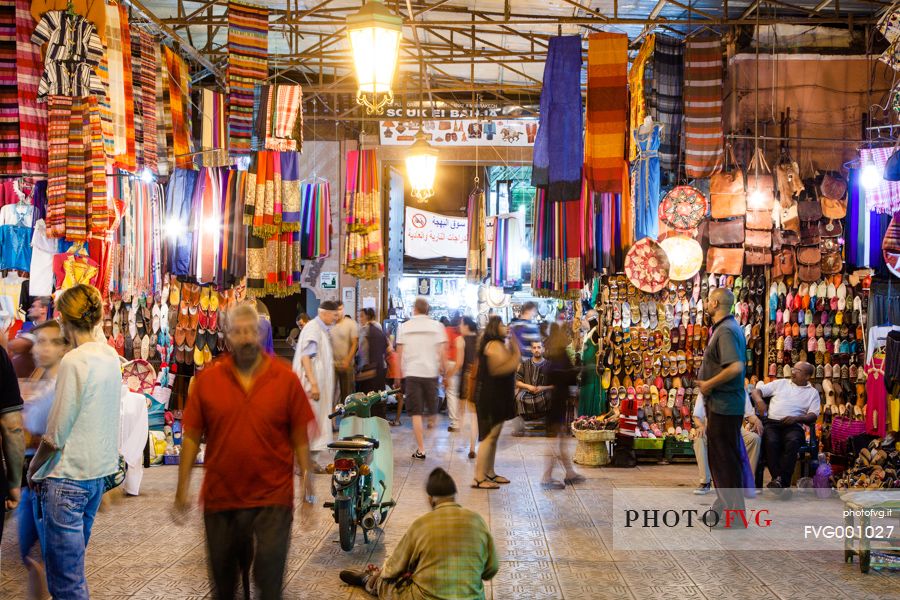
(563, 376)
(344, 343)
(373, 345)
(466, 347)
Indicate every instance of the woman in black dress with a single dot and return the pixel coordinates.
(466, 348)
(495, 400)
(563, 375)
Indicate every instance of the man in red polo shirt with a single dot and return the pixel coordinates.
(256, 419)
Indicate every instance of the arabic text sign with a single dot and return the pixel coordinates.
(430, 235)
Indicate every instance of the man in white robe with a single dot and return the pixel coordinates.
(133, 433)
(314, 365)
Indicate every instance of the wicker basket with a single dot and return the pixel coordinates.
(591, 450)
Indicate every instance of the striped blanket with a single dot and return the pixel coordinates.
(149, 74)
(703, 137)
(667, 104)
(248, 45)
(10, 152)
(607, 103)
(32, 116)
(558, 147)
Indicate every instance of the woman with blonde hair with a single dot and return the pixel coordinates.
(79, 449)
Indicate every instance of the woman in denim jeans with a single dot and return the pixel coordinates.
(80, 446)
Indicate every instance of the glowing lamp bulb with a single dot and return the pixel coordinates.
(870, 177)
(174, 229)
(147, 176)
(757, 199)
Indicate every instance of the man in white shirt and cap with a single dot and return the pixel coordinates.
(314, 365)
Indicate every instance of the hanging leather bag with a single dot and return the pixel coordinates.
(832, 262)
(759, 219)
(784, 262)
(790, 216)
(831, 228)
(809, 233)
(756, 256)
(758, 239)
(784, 237)
(787, 173)
(809, 210)
(760, 183)
(833, 186)
(727, 196)
(833, 209)
(725, 261)
(724, 233)
(809, 255)
(809, 273)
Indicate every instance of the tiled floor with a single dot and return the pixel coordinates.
(552, 544)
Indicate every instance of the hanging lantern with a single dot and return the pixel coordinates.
(374, 34)
(421, 167)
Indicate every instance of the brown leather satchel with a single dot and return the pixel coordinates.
(758, 239)
(789, 183)
(790, 216)
(833, 209)
(784, 263)
(723, 233)
(809, 273)
(832, 263)
(757, 256)
(831, 244)
(809, 233)
(725, 261)
(809, 210)
(830, 228)
(809, 255)
(833, 186)
(759, 219)
(784, 237)
(727, 197)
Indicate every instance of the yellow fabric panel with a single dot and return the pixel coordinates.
(638, 107)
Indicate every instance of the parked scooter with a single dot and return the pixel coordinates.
(362, 474)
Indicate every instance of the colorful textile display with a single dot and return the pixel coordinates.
(559, 147)
(278, 117)
(506, 262)
(607, 101)
(179, 102)
(616, 230)
(884, 196)
(165, 156)
(638, 105)
(315, 220)
(212, 129)
(115, 48)
(248, 46)
(476, 259)
(32, 115)
(703, 136)
(73, 51)
(363, 254)
(137, 241)
(272, 202)
(557, 268)
(10, 150)
(149, 72)
(645, 174)
(668, 106)
(126, 160)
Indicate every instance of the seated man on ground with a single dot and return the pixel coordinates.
(445, 554)
(793, 403)
(751, 432)
(532, 389)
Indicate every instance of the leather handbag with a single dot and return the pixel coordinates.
(789, 183)
(727, 197)
(833, 186)
(759, 219)
(809, 273)
(784, 262)
(756, 256)
(790, 216)
(725, 261)
(833, 209)
(809, 233)
(784, 237)
(830, 228)
(723, 233)
(832, 263)
(809, 255)
(809, 210)
(760, 182)
(758, 239)
(830, 244)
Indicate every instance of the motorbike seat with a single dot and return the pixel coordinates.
(351, 444)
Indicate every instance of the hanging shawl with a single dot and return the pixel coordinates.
(149, 75)
(212, 129)
(137, 83)
(607, 101)
(884, 196)
(703, 137)
(476, 259)
(363, 254)
(284, 118)
(32, 115)
(234, 247)
(290, 191)
(179, 96)
(638, 106)
(559, 145)
(668, 73)
(315, 220)
(165, 155)
(557, 267)
(506, 262)
(248, 35)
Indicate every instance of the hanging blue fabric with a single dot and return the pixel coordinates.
(645, 173)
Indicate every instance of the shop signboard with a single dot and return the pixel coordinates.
(328, 280)
(460, 132)
(430, 235)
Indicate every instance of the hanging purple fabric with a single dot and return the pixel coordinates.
(855, 226)
(39, 199)
(559, 145)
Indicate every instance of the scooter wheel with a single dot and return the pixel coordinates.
(346, 523)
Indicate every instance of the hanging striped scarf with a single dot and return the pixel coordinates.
(76, 182)
(149, 75)
(290, 191)
(116, 70)
(165, 154)
(638, 106)
(248, 35)
(284, 118)
(212, 128)
(557, 266)
(10, 149)
(668, 73)
(100, 211)
(179, 96)
(315, 219)
(607, 101)
(703, 137)
(59, 109)
(137, 81)
(32, 115)
(363, 253)
(476, 259)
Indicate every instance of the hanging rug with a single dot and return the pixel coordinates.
(647, 266)
(683, 208)
(685, 257)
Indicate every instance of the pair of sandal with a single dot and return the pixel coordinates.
(490, 483)
(556, 484)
